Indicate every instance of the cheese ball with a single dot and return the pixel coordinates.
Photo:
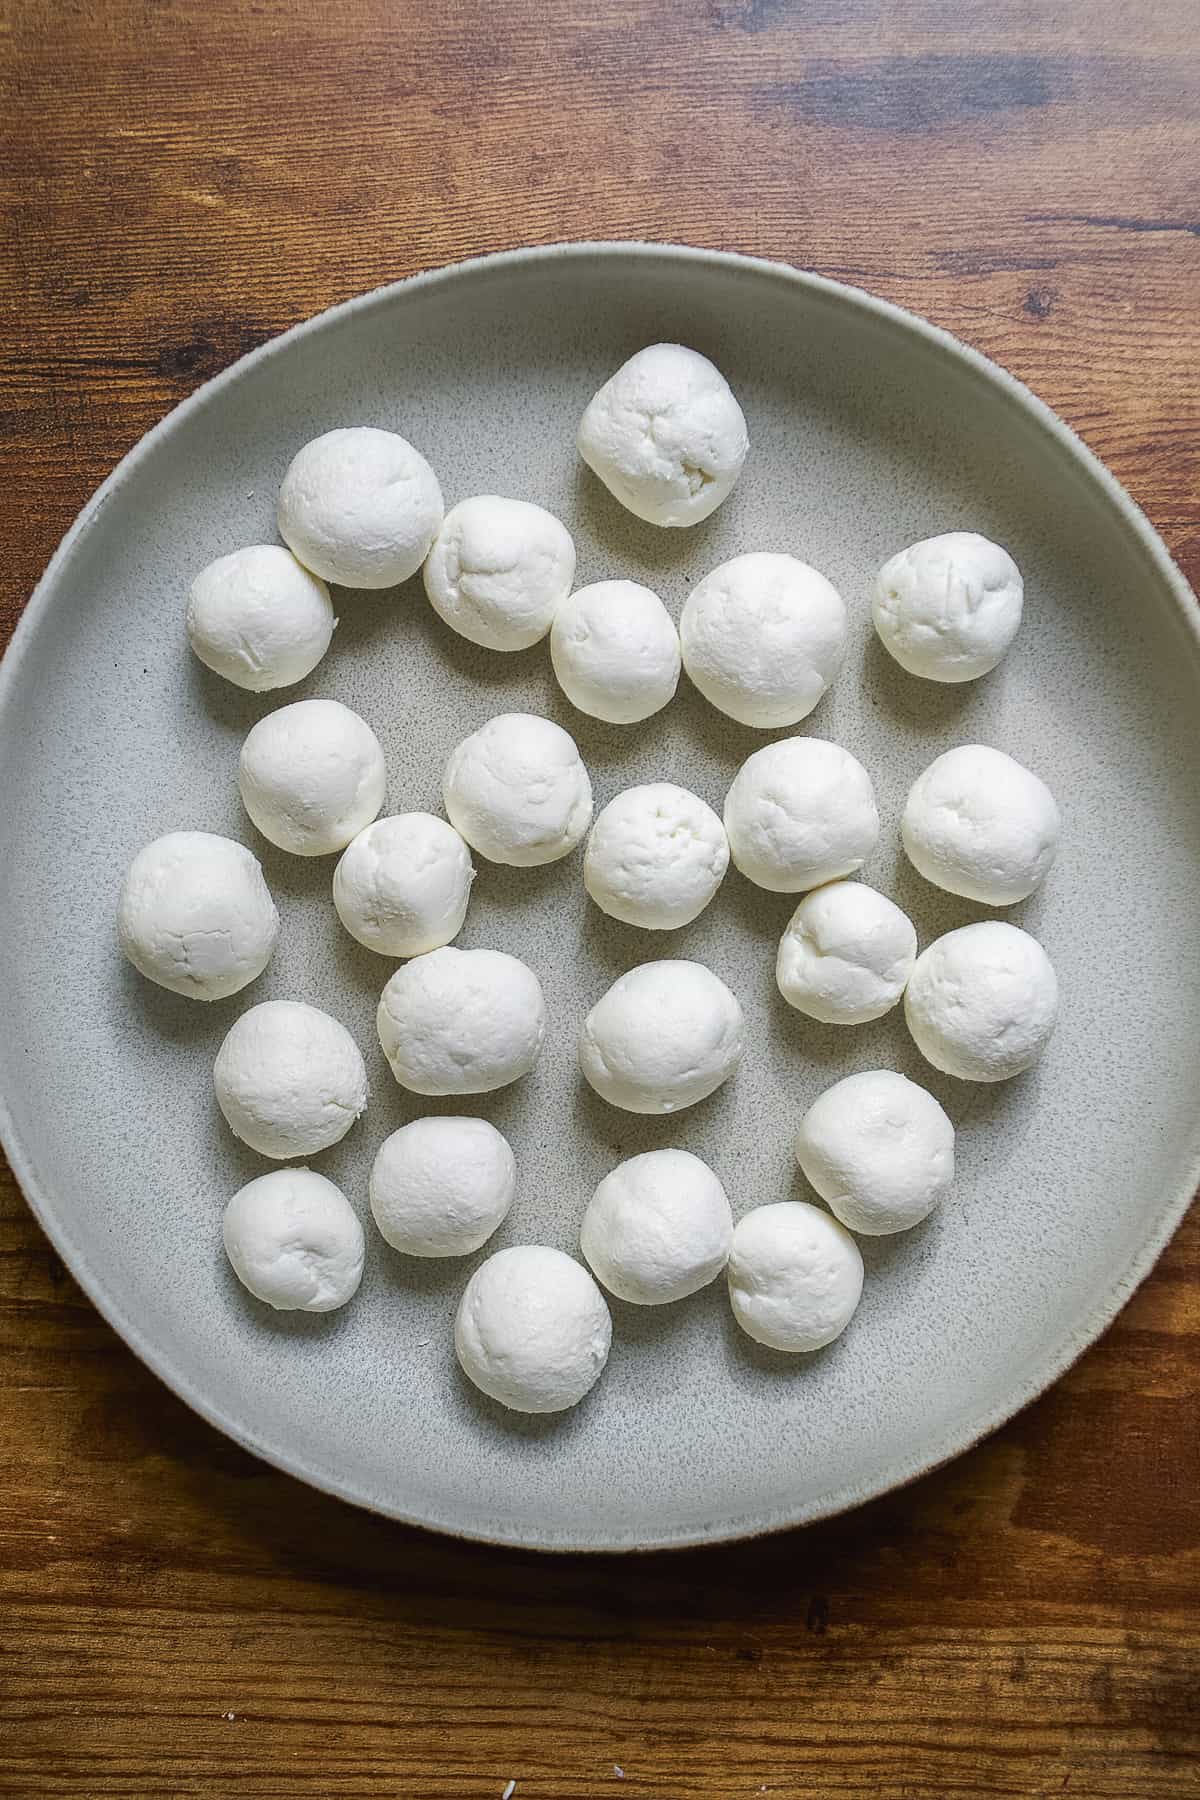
(499, 570)
(657, 1228)
(982, 1001)
(800, 813)
(196, 916)
(615, 651)
(360, 507)
(294, 1240)
(979, 824)
(259, 619)
(846, 955)
(461, 1021)
(441, 1186)
(879, 1150)
(763, 636)
(402, 885)
(665, 435)
(949, 607)
(795, 1276)
(517, 790)
(311, 776)
(532, 1329)
(289, 1079)
(655, 857)
(664, 1036)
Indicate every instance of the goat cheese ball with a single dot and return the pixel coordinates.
(461, 1021)
(879, 1150)
(259, 619)
(665, 435)
(402, 885)
(763, 636)
(294, 1241)
(846, 955)
(949, 607)
(532, 1329)
(655, 857)
(360, 507)
(289, 1079)
(196, 916)
(982, 1001)
(498, 571)
(311, 776)
(517, 790)
(981, 825)
(615, 651)
(441, 1186)
(795, 1276)
(664, 1036)
(657, 1228)
(800, 813)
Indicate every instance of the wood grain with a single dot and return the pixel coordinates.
(180, 181)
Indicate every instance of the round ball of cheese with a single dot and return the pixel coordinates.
(196, 916)
(800, 813)
(461, 1021)
(360, 506)
(665, 435)
(763, 636)
(795, 1276)
(657, 1228)
(402, 885)
(294, 1241)
(289, 1079)
(615, 651)
(311, 775)
(949, 607)
(259, 619)
(441, 1186)
(982, 1001)
(846, 955)
(655, 857)
(979, 824)
(664, 1036)
(879, 1149)
(532, 1329)
(498, 571)
(517, 790)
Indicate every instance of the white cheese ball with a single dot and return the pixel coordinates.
(517, 790)
(657, 1228)
(664, 1036)
(982, 1001)
(949, 607)
(499, 570)
(294, 1241)
(981, 825)
(360, 507)
(615, 651)
(441, 1186)
(800, 813)
(402, 885)
(846, 955)
(665, 435)
(879, 1150)
(763, 636)
(461, 1021)
(532, 1329)
(289, 1079)
(795, 1276)
(655, 857)
(196, 915)
(311, 776)
(260, 620)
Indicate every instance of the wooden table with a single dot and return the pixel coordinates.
(182, 180)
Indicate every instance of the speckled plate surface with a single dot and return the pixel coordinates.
(868, 429)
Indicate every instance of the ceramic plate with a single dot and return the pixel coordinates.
(869, 429)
